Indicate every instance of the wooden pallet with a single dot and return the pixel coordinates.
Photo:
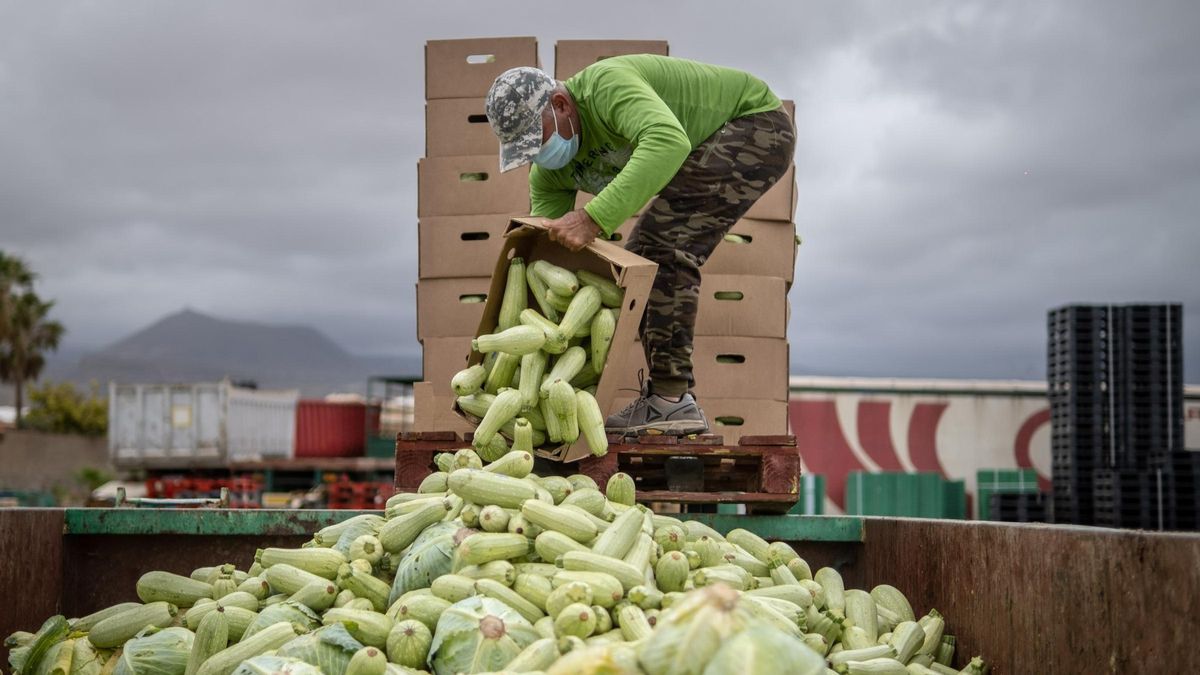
(762, 472)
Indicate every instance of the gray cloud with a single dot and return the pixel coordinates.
(963, 166)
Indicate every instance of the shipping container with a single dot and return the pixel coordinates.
(198, 425)
(331, 429)
(953, 428)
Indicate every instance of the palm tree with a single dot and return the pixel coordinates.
(14, 277)
(29, 336)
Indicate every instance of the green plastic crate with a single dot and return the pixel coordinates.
(381, 446)
(931, 495)
(990, 481)
(811, 501)
(955, 492)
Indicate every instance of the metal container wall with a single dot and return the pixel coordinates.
(207, 424)
(325, 429)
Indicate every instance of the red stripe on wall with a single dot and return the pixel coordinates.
(823, 446)
(875, 434)
(922, 437)
(1021, 447)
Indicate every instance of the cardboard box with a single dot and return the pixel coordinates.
(572, 56)
(455, 127)
(460, 246)
(633, 273)
(737, 417)
(442, 357)
(450, 307)
(779, 203)
(759, 311)
(467, 68)
(769, 250)
(431, 409)
(470, 185)
(727, 367)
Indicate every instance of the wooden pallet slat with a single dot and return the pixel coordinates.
(763, 471)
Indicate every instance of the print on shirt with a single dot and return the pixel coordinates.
(594, 172)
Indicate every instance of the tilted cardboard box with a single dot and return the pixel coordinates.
(527, 239)
(572, 56)
(467, 68)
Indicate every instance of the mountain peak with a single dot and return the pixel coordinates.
(190, 346)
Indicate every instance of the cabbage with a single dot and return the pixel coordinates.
(275, 665)
(87, 659)
(478, 634)
(162, 653)
(761, 650)
(428, 558)
(329, 648)
(26, 659)
(288, 611)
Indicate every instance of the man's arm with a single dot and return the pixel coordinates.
(546, 199)
(634, 110)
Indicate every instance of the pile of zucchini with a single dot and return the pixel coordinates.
(536, 384)
(490, 568)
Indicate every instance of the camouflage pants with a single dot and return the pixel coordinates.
(713, 188)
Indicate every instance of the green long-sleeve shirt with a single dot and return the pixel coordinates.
(642, 116)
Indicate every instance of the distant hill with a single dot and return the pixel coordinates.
(191, 347)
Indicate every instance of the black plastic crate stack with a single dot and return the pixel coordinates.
(1180, 474)
(1018, 507)
(1150, 368)
(1129, 498)
(1116, 400)
(1082, 389)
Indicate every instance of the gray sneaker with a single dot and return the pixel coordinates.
(653, 414)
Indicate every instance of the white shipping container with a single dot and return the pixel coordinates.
(194, 425)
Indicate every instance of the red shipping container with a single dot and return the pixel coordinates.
(325, 429)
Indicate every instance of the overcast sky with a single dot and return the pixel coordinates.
(962, 166)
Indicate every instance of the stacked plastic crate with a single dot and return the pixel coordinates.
(464, 205)
(1116, 400)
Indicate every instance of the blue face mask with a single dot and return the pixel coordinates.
(558, 151)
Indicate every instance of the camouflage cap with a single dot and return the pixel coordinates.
(514, 108)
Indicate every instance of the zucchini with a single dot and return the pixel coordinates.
(483, 487)
(556, 341)
(408, 644)
(506, 407)
(537, 288)
(604, 325)
(323, 562)
(611, 294)
(367, 661)
(369, 628)
(227, 660)
(212, 636)
(117, 629)
(172, 588)
(518, 340)
(516, 292)
(469, 380)
(559, 519)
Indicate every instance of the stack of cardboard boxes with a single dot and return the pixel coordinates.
(465, 203)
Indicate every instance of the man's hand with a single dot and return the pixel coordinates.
(574, 230)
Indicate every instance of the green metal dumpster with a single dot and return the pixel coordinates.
(1030, 598)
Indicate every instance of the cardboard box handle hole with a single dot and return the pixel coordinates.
(473, 298)
(479, 59)
(728, 295)
(478, 118)
(731, 358)
(730, 421)
(475, 236)
(473, 177)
